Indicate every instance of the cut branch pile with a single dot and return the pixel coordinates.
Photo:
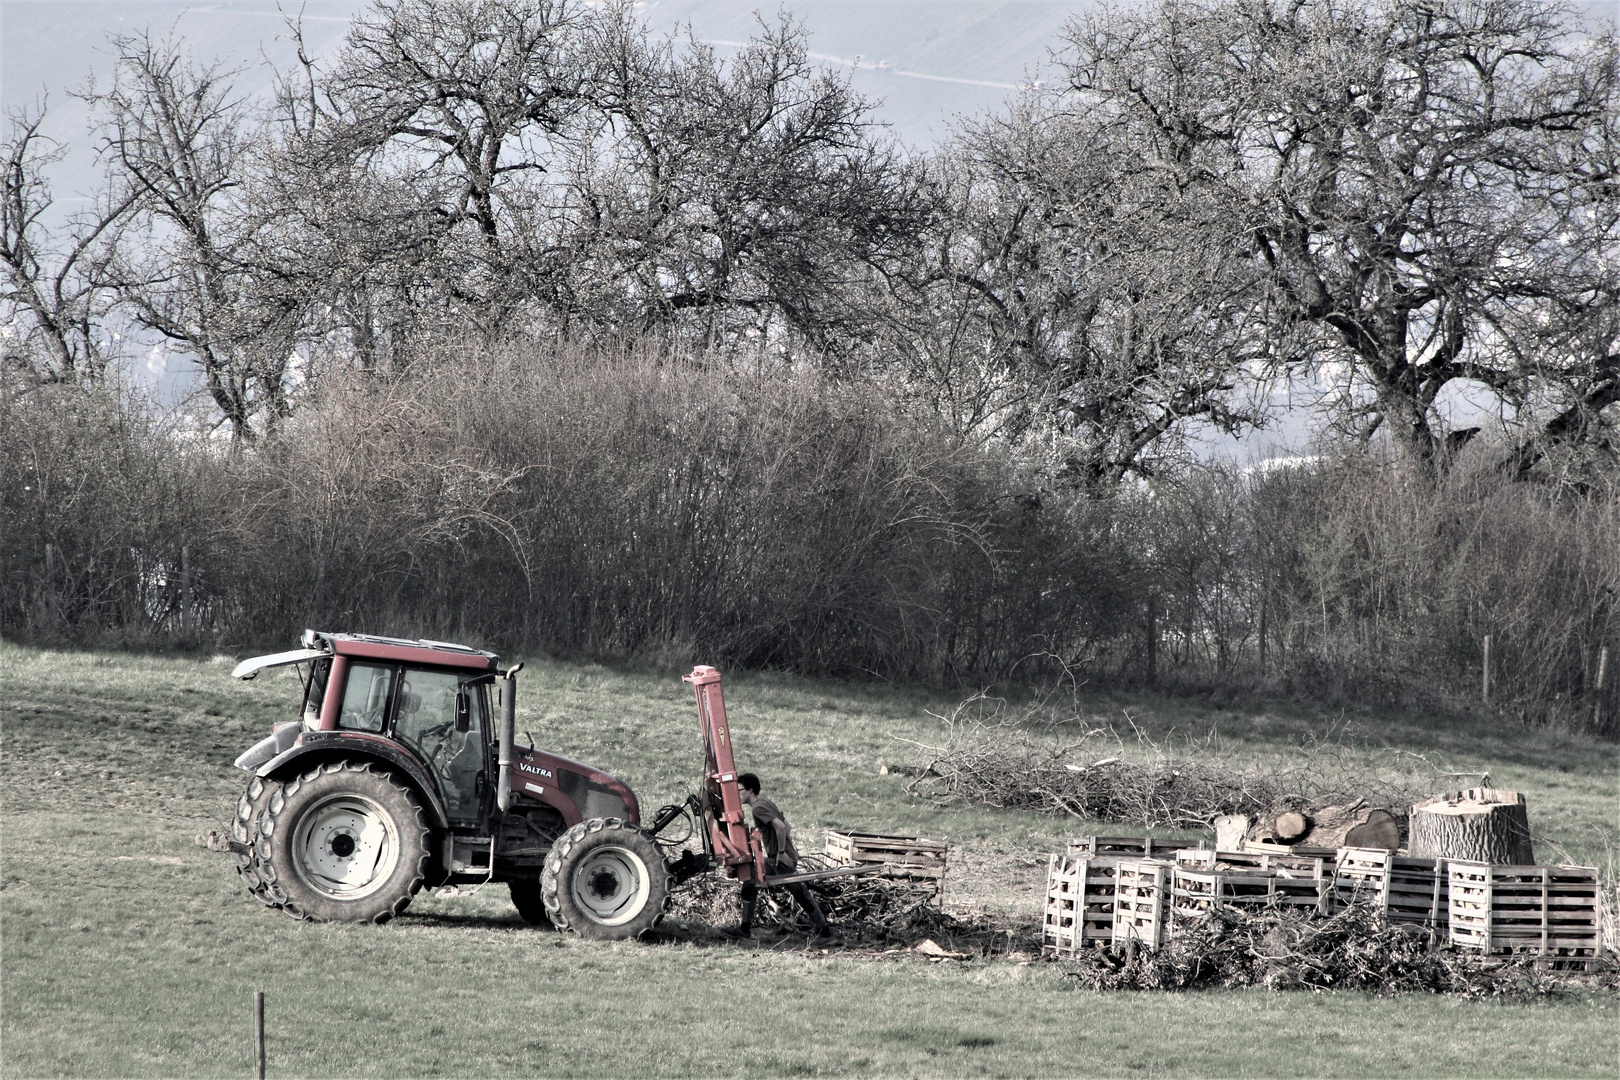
(868, 909)
(1100, 777)
(1288, 950)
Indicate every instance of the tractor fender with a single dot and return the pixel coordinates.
(320, 745)
(278, 742)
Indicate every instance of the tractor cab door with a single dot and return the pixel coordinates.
(442, 717)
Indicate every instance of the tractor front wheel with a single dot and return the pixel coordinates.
(343, 843)
(605, 879)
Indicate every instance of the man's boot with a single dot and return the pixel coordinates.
(824, 932)
(745, 928)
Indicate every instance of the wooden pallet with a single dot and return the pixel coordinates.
(1309, 867)
(1079, 904)
(1195, 892)
(1124, 847)
(1549, 912)
(1261, 847)
(1408, 890)
(904, 858)
(1142, 902)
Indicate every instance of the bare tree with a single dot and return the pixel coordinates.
(58, 289)
(1418, 181)
(435, 134)
(523, 161)
(196, 273)
(749, 197)
(1077, 304)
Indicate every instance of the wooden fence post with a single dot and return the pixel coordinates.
(185, 592)
(1597, 687)
(1152, 643)
(1485, 672)
(1262, 635)
(258, 1034)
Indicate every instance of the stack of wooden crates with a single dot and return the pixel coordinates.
(1548, 912)
(911, 859)
(1115, 890)
(1104, 889)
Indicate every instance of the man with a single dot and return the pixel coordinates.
(781, 857)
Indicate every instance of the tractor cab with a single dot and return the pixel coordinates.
(430, 698)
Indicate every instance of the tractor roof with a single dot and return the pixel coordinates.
(400, 650)
(420, 651)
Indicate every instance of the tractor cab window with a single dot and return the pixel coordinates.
(430, 703)
(365, 700)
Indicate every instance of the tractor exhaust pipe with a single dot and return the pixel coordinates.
(508, 733)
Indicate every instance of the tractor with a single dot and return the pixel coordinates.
(402, 772)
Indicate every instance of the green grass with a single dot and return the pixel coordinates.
(125, 950)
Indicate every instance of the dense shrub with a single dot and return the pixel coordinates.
(642, 504)
(1351, 577)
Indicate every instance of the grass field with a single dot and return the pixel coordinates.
(125, 950)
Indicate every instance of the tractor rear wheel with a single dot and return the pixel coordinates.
(528, 901)
(605, 879)
(245, 831)
(343, 843)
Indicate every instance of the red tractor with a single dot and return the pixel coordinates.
(398, 775)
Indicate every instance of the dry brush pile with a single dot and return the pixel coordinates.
(1280, 949)
(865, 910)
(1022, 762)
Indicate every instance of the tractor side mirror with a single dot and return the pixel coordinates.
(463, 712)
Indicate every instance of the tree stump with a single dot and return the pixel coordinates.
(1478, 825)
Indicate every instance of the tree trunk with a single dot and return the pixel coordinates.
(1356, 825)
(1230, 830)
(1290, 826)
(1478, 825)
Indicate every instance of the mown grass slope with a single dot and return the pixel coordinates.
(128, 951)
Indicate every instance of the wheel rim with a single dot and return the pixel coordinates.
(346, 847)
(610, 885)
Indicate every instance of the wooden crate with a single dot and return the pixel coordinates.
(1125, 847)
(1079, 904)
(1142, 902)
(904, 858)
(1409, 890)
(1195, 891)
(1549, 912)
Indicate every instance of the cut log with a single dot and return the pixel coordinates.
(1230, 831)
(1477, 825)
(1290, 826)
(1356, 825)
